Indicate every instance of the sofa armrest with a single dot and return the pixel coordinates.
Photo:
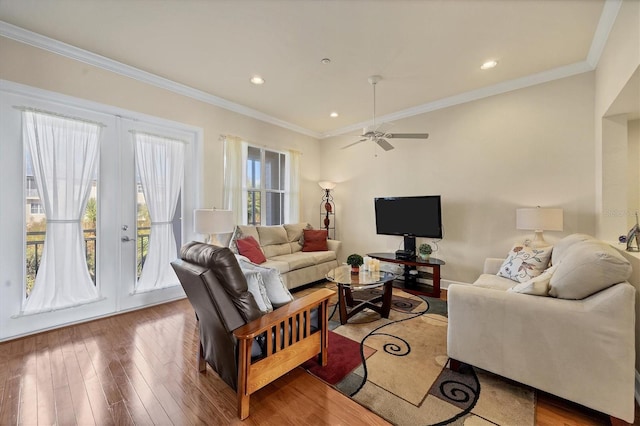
(492, 265)
(581, 350)
(334, 245)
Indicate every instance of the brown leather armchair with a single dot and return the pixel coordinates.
(247, 349)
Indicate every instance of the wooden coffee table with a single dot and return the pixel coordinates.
(348, 282)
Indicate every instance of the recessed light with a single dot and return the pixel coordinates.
(325, 60)
(333, 114)
(488, 65)
(257, 80)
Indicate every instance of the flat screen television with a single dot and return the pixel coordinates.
(411, 217)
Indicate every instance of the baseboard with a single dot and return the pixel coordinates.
(637, 387)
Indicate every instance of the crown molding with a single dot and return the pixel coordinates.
(46, 43)
(605, 24)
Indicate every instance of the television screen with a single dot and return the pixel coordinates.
(413, 216)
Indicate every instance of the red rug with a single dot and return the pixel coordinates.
(343, 358)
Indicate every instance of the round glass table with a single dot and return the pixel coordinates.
(350, 304)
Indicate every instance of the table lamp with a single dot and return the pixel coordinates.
(212, 222)
(538, 219)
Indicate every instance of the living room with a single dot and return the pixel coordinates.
(539, 140)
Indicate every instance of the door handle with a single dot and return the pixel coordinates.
(126, 239)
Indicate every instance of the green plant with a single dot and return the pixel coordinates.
(425, 249)
(355, 260)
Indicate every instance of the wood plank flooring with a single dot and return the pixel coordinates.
(140, 368)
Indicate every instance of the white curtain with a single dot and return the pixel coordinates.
(160, 163)
(293, 197)
(64, 153)
(234, 194)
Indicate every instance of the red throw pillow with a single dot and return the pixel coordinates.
(250, 248)
(315, 240)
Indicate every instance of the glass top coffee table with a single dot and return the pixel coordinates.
(364, 280)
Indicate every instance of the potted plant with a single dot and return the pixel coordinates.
(355, 260)
(424, 251)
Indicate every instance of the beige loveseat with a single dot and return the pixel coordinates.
(578, 347)
(282, 246)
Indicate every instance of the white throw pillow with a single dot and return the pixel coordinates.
(277, 292)
(258, 290)
(524, 263)
(588, 267)
(538, 286)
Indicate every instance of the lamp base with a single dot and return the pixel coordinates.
(538, 241)
(213, 240)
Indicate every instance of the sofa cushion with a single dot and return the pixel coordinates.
(315, 240)
(493, 281)
(270, 235)
(524, 263)
(561, 247)
(294, 231)
(242, 231)
(296, 260)
(537, 286)
(323, 256)
(586, 268)
(250, 248)
(277, 292)
(279, 265)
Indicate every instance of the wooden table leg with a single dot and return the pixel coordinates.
(436, 281)
(342, 303)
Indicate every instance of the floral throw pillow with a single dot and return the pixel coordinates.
(524, 263)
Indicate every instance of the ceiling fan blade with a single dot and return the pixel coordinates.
(384, 144)
(407, 135)
(355, 143)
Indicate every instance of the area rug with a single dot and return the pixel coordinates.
(401, 370)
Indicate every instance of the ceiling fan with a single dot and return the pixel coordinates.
(378, 136)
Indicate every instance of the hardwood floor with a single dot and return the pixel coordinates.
(140, 368)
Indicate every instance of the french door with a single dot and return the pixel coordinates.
(119, 229)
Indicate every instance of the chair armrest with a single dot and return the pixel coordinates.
(265, 322)
(492, 265)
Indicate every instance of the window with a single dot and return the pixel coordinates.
(36, 208)
(266, 188)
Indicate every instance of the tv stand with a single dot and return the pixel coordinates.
(411, 284)
(410, 244)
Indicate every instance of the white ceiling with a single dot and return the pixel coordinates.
(426, 51)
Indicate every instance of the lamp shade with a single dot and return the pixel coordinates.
(325, 184)
(539, 219)
(209, 221)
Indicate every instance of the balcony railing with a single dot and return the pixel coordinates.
(35, 245)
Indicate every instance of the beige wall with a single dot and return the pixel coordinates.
(38, 68)
(619, 61)
(486, 158)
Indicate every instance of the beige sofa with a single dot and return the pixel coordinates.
(579, 348)
(282, 246)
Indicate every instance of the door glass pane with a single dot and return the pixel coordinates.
(143, 223)
(36, 226)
